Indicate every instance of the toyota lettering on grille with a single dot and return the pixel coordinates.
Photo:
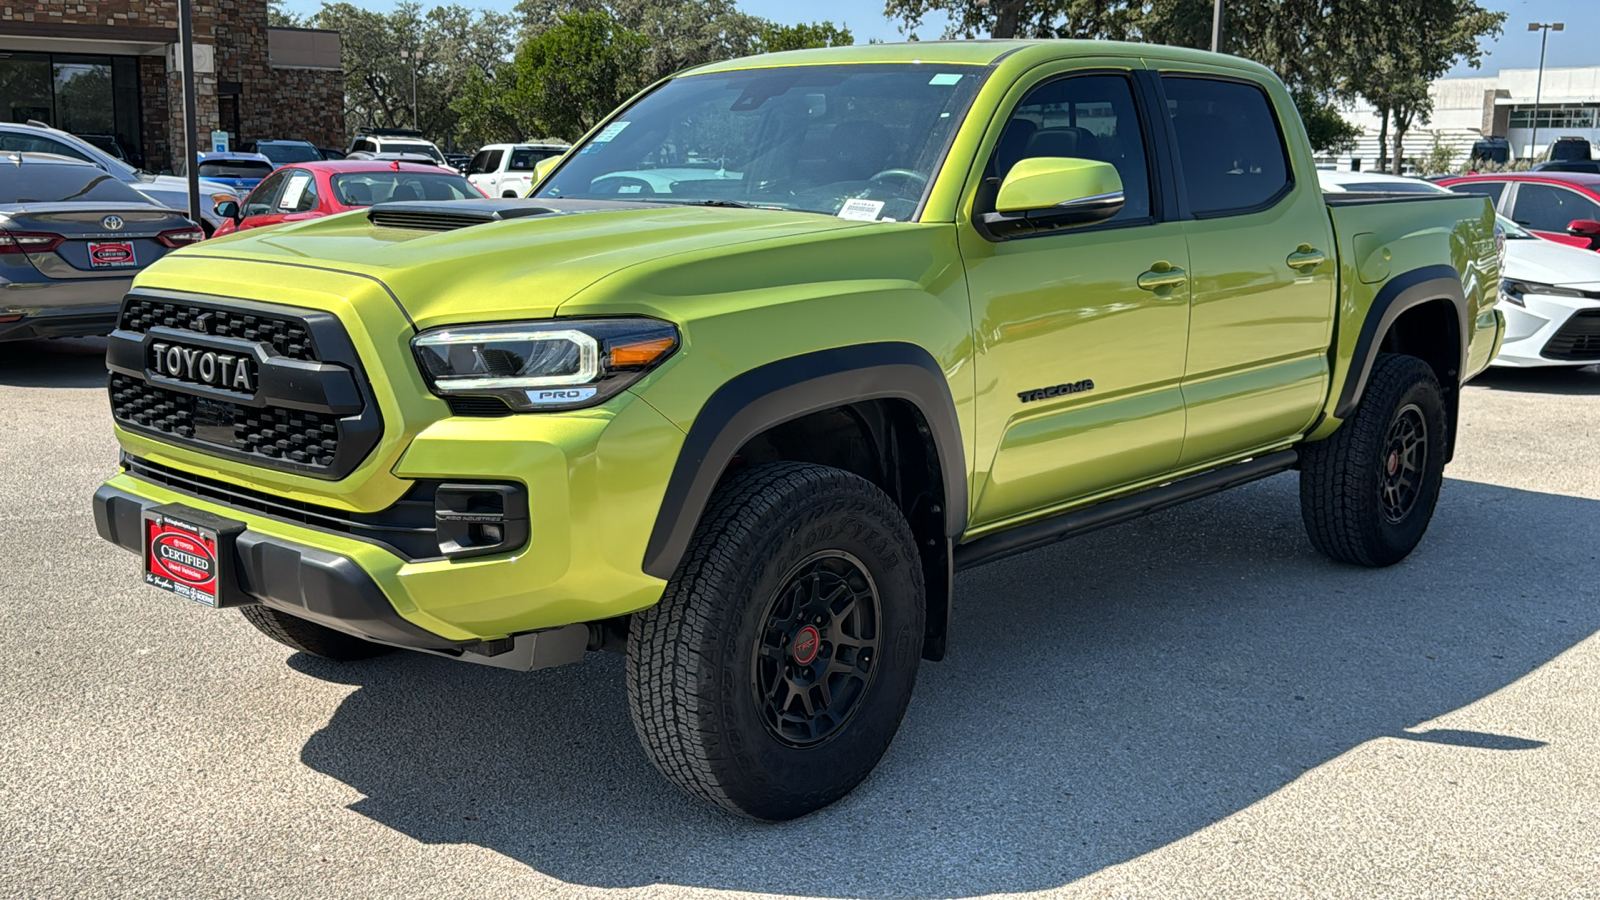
(203, 367)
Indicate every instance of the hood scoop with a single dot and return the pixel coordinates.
(448, 215)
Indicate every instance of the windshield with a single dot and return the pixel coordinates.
(859, 141)
(1514, 231)
(39, 182)
(283, 154)
(428, 150)
(235, 168)
(367, 188)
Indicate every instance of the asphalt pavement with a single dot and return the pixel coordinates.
(1192, 705)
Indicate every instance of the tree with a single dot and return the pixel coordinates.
(279, 17)
(774, 37)
(1327, 130)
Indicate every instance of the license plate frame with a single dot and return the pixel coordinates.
(190, 553)
(113, 260)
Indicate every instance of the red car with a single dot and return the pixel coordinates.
(1559, 206)
(313, 189)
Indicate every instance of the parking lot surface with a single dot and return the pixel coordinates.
(1192, 705)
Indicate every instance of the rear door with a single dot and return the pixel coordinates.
(1546, 209)
(1261, 250)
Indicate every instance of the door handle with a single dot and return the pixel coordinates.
(1162, 276)
(1306, 258)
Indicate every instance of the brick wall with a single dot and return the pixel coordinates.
(310, 106)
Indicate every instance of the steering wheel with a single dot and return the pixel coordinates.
(916, 178)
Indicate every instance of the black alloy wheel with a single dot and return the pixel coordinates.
(816, 649)
(1404, 463)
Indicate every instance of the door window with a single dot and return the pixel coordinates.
(299, 193)
(492, 164)
(259, 203)
(1545, 207)
(1230, 148)
(1490, 189)
(479, 163)
(1084, 117)
(29, 143)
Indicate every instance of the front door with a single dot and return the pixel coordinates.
(1264, 270)
(1547, 209)
(1078, 366)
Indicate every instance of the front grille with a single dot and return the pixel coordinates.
(1578, 340)
(478, 406)
(307, 408)
(406, 528)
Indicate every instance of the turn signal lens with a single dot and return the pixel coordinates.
(641, 354)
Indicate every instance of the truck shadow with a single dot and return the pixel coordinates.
(66, 363)
(1553, 380)
(1103, 698)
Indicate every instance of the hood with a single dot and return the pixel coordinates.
(522, 259)
(1548, 262)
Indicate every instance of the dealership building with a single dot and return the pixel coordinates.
(113, 67)
(1499, 105)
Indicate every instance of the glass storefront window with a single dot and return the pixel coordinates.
(83, 95)
(1555, 117)
(26, 88)
(95, 97)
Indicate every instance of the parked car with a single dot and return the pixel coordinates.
(421, 159)
(458, 161)
(71, 239)
(315, 189)
(1570, 148)
(283, 153)
(1550, 292)
(1591, 167)
(1558, 206)
(111, 144)
(1490, 151)
(506, 170)
(330, 153)
(960, 304)
(239, 171)
(170, 191)
(395, 140)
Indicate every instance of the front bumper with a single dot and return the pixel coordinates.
(1530, 328)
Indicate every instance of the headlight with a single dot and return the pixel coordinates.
(547, 365)
(1513, 290)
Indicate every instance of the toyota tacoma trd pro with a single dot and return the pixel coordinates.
(771, 354)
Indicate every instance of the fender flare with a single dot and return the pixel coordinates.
(1400, 293)
(787, 389)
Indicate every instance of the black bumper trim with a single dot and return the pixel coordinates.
(321, 587)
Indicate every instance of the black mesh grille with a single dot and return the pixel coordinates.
(1578, 340)
(288, 337)
(302, 437)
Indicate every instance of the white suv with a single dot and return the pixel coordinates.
(396, 140)
(506, 170)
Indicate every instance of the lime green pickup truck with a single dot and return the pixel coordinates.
(776, 350)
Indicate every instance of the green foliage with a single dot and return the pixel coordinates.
(1328, 130)
(775, 37)
(1440, 159)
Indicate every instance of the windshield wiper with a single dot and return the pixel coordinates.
(731, 204)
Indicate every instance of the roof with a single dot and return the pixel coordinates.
(1586, 179)
(972, 53)
(339, 166)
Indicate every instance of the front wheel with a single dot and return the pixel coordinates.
(1367, 493)
(774, 672)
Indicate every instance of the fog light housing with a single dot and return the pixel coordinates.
(479, 519)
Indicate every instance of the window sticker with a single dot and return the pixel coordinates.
(609, 132)
(865, 210)
(946, 78)
(292, 191)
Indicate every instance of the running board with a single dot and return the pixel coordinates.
(1034, 535)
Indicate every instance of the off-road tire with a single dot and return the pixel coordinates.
(309, 637)
(694, 685)
(1342, 478)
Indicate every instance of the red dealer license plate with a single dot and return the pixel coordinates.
(186, 557)
(112, 255)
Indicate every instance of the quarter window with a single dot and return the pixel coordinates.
(1545, 207)
(1085, 117)
(1230, 148)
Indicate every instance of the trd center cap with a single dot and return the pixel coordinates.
(807, 643)
(1394, 462)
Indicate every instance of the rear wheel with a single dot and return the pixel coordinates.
(774, 672)
(309, 637)
(1367, 493)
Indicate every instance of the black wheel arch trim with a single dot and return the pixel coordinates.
(1401, 293)
(787, 389)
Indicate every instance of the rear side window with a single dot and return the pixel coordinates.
(1545, 207)
(1230, 147)
(1084, 117)
(27, 143)
(41, 182)
(1490, 189)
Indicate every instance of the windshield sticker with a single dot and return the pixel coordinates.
(609, 132)
(292, 191)
(945, 78)
(865, 210)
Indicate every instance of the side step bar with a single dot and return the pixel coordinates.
(1114, 512)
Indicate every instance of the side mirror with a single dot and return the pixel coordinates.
(1588, 228)
(1049, 192)
(543, 167)
(227, 209)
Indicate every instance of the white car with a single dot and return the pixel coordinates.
(1550, 292)
(381, 142)
(507, 170)
(170, 191)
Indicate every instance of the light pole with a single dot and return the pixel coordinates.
(413, 55)
(1216, 27)
(1538, 86)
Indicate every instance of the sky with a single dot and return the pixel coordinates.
(1578, 45)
